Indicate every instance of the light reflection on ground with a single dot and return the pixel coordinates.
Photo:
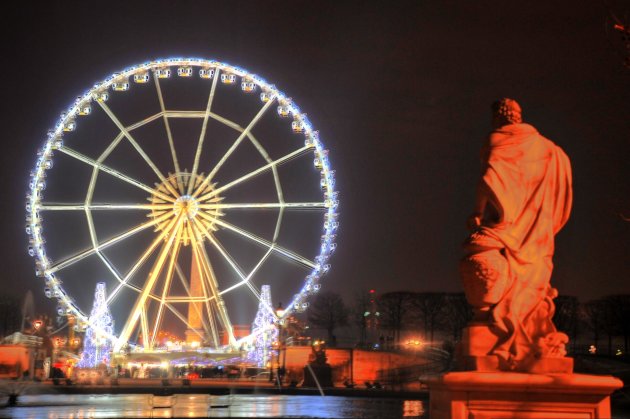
(201, 405)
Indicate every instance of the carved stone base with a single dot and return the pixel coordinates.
(492, 363)
(508, 395)
(477, 342)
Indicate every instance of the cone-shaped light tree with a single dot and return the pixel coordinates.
(97, 344)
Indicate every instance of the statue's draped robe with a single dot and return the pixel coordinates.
(527, 181)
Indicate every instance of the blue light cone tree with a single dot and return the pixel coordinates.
(97, 345)
(264, 329)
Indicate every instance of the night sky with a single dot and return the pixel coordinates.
(400, 92)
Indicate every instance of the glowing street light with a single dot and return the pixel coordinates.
(281, 342)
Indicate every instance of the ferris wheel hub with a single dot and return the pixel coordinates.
(190, 198)
(186, 205)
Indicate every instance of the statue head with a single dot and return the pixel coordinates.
(505, 111)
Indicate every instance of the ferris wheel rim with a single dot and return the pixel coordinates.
(54, 142)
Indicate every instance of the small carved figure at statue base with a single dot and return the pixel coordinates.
(523, 199)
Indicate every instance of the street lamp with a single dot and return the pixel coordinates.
(37, 324)
(281, 343)
(414, 344)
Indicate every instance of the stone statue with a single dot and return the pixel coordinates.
(523, 199)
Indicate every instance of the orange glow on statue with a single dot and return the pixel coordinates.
(523, 199)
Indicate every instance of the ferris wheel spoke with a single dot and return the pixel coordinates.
(225, 255)
(148, 251)
(256, 172)
(229, 152)
(222, 251)
(276, 181)
(267, 205)
(144, 121)
(72, 153)
(174, 253)
(251, 274)
(185, 114)
(110, 148)
(226, 122)
(202, 135)
(88, 201)
(135, 145)
(273, 246)
(49, 206)
(114, 272)
(169, 134)
(233, 264)
(149, 284)
(82, 255)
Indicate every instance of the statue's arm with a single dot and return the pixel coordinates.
(481, 201)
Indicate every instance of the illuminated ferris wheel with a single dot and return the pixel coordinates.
(184, 194)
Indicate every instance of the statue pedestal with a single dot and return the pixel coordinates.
(477, 342)
(491, 395)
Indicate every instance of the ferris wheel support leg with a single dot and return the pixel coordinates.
(144, 324)
(184, 281)
(223, 315)
(167, 286)
(198, 264)
(148, 287)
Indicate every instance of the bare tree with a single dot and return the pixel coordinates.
(394, 307)
(360, 314)
(328, 312)
(618, 309)
(456, 314)
(429, 307)
(566, 316)
(10, 318)
(594, 316)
